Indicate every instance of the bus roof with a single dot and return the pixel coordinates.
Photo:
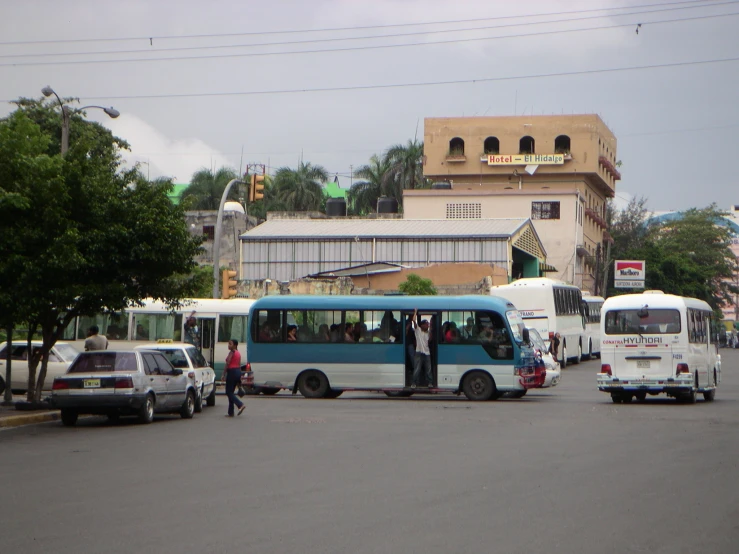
(543, 282)
(654, 301)
(587, 297)
(457, 303)
(205, 305)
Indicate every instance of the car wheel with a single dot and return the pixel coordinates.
(199, 402)
(313, 384)
(211, 400)
(188, 408)
(146, 412)
(478, 386)
(69, 417)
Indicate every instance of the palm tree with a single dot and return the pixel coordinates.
(363, 194)
(406, 166)
(206, 188)
(300, 189)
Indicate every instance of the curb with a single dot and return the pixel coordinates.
(28, 419)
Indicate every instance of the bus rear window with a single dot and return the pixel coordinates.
(642, 321)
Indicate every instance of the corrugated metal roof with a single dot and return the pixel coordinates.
(296, 229)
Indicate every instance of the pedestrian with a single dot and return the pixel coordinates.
(94, 341)
(233, 377)
(422, 359)
(192, 333)
(554, 346)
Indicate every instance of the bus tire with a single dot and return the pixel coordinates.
(398, 394)
(590, 351)
(616, 398)
(563, 361)
(578, 358)
(641, 396)
(479, 386)
(313, 384)
(269, 391)
(709, 395)
(333, 393)
(626, 398)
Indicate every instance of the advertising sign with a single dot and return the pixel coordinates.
(629, 274)
(525, 159)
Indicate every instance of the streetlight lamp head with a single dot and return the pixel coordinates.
(112, 112)
(47, 91)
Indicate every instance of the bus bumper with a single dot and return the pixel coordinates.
(651, 386)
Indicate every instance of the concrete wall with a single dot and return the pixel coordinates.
(442, 275)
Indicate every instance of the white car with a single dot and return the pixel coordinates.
(60, 358)
(554, 373)
(188, 358)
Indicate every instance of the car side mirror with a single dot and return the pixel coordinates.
(176, 371)
(526, 336)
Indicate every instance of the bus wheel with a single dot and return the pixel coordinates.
(313, 384)
(641, 396)
(563, 361)
(616, 398)
(398, 393)
(333, 393)
(269, 391)
(627, 398)
(478, 385)
(578, 358)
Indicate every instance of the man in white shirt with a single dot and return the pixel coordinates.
(422, 358)
(94, 341)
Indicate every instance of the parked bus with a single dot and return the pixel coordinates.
(657, 343)
(324, 345)
(592, 306)
(550, 307)
(218, 321)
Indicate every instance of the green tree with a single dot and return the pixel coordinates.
(206, 188)
(363, 195)
(300, 189)
(405, 167)
(415, 285)
(83, 235)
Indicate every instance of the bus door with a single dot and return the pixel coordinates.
(433, 319)
(207, 326)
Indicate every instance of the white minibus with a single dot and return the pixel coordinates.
(656, 343)
(550, 307)
(592, 306)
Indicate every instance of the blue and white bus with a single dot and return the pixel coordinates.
(324, 345)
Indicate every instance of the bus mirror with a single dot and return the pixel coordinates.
(525, 335)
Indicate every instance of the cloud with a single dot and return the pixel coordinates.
(178, 158)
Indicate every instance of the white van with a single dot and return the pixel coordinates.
(653, 343)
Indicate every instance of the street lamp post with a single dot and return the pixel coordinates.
(217, 237)
(67, 113)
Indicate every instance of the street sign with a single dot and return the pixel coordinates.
(623, 284)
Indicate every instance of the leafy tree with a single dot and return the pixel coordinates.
(628, 227)
(417, 286)
(363, 195)
(83, 235)
(206, 189)
(406, 167)
(300, 189)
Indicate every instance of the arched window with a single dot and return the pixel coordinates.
(562, 144)
(456, 147)
(492, 145)
(526, 145)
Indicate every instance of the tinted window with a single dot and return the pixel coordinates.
(176, 357)
(268, 326)
(152, 327)
(100, 362)
(165, 368)
(197, 358)
(639, 322)
(232, 327)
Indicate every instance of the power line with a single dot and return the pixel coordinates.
(336, 29)
(418, 84)
(355, 48)
(356, 38)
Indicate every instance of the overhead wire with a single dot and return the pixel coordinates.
(357, 38)
(356, 48)
(698, 3)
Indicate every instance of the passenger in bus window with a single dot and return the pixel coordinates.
(323, 333)
(265, 334)
(335, 333)
(348, 333)
(292, 333)
(468, 331)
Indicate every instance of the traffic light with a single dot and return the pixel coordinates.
(257, 185)
(229, 284)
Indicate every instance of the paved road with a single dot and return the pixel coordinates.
(560, 471)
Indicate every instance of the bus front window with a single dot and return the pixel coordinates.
(515, 321)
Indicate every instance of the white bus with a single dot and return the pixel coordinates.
(218, 321)
(592, 306)
(550, 307)
(658, 343)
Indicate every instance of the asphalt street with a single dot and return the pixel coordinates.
(561, 470)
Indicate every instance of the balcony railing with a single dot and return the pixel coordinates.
(609, 167)
(595, 216)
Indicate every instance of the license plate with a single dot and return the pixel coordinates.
(91, 383)
(642, 364)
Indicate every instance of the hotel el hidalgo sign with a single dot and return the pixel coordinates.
(525, 159)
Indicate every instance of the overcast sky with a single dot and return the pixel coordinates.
(676, 125)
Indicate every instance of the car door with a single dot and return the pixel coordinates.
(19, 368)
(157, 381)
(176, 384)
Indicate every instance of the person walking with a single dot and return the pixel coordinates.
(233, 377)
(94, 341)
(422, 359)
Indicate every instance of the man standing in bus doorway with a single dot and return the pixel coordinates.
(422, 359)
(233, 377)
(192, 333)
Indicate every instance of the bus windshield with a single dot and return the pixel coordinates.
(516, 323)
(642, 321)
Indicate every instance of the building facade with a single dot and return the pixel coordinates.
(559, 171)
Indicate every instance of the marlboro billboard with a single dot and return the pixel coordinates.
(629, 274)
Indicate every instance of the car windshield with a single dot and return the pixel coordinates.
(196, 357)
(176, 357)
(103, 362)
(642, 321)
(66, 351)
(516, 323)
(536, 339)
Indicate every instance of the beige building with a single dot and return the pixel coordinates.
(557, 170)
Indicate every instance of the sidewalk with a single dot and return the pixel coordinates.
(10, 417)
